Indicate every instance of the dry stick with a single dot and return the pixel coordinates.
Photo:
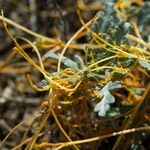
(8, 59)
(136, 30)
(61, 128)
(105, 136)
(132, 116)
(47, 144)
(72, 38)
(16, 127)
(109, 50)
(72, 46)
(131, 37)
(138, 50)
(62, 145)
(13, 70)
(144, 72)
(107, 43)
(26, 29)
(24, 142)
(33, 140)
(83, 46)
(109, 67)
(27, 130)
(36, 50)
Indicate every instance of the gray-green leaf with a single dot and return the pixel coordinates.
(145, 65)
(107, 98)
(66, 61)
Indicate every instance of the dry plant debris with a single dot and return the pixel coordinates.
(94, 93)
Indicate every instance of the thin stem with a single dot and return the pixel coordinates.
(26, 29)
(72, 38)
(62, 145)
(61, 128)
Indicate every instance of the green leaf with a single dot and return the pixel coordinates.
(114, 85)
(139, 91)
(103, 106)
(43, 83)
(120, 31)
(119, 75)
(109, 23)
(144, 14)
(107, 98)
(66, 61)
(113, 112)
(127, 62)
(145, 65)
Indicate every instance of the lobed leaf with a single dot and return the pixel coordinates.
(66, 61)
(107, 98)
